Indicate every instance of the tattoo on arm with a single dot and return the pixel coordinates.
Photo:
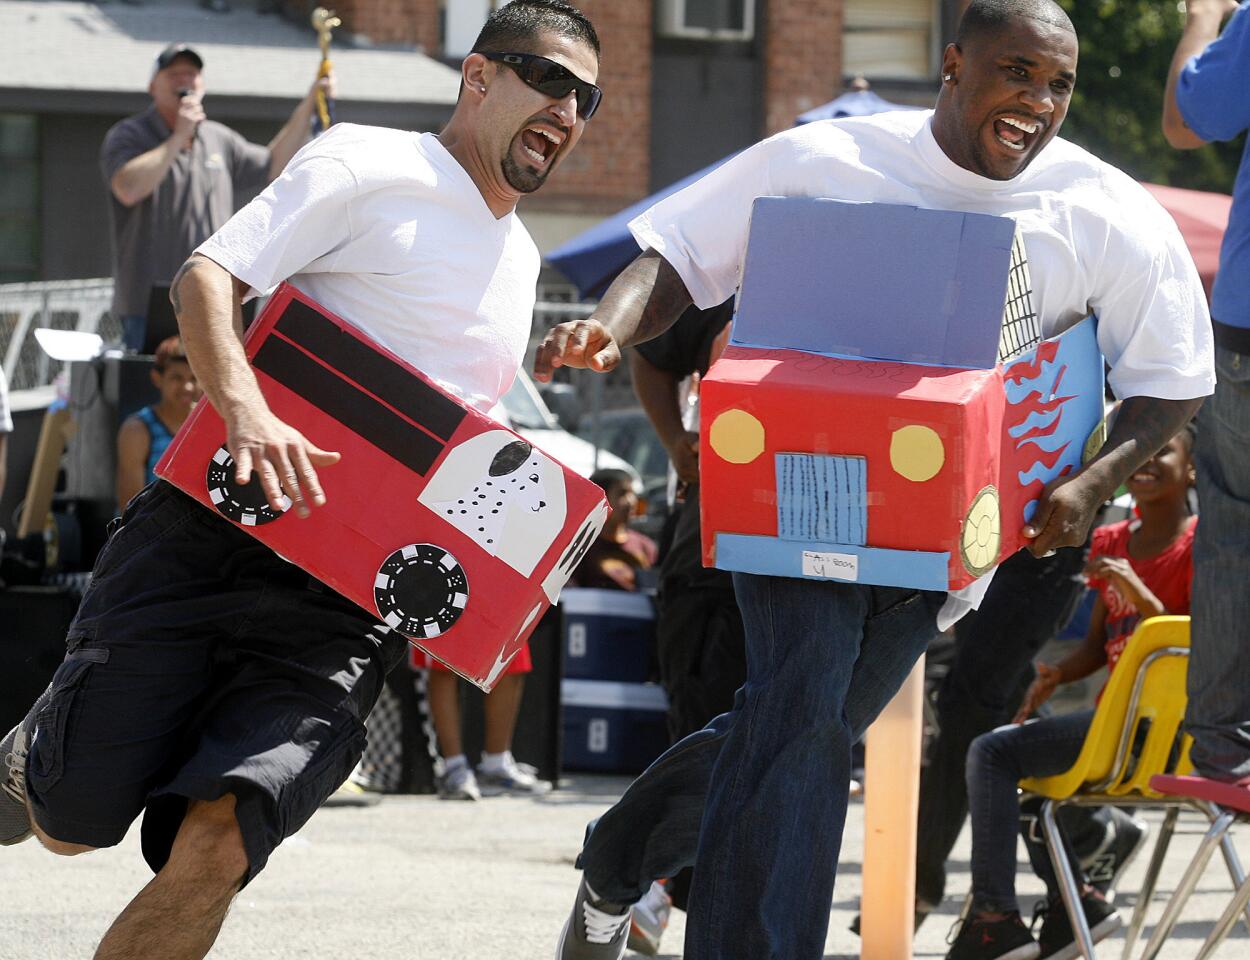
(175, 295)
(668, 298)
(644, 301)
(1142, 426)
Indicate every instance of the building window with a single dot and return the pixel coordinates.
(891, 39)
(706, 19)
(19, 197)
(461, 22)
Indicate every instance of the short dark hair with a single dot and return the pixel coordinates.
(169, 350)
(986, 16)
(609, 478)
(516, 27)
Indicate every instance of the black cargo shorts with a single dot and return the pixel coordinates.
(201, 664)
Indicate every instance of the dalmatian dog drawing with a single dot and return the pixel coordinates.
(503, 494)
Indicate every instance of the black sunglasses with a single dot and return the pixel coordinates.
(551, 79)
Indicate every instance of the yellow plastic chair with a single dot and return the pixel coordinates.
(1136, 733)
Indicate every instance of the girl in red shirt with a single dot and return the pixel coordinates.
(1141, 568)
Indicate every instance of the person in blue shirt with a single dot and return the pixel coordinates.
(1208, 98)
(143, 437)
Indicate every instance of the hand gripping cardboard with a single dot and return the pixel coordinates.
(452, 529)
(886, 412)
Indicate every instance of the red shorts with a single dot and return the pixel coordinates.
(420, 660)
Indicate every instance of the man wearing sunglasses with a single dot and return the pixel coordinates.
(217, 690)
(762, 789)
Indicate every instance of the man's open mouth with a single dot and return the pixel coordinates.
(1016, 133)
(540, 143)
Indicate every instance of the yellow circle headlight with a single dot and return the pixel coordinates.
(1094, 442)
(736, 436)
(917, 452)
(981, 535)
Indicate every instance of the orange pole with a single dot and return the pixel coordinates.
(891, 801)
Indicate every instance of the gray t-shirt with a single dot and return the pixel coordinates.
(152, 239)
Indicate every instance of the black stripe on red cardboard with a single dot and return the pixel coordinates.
(350, 406)
(372, 369)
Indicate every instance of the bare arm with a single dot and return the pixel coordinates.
(660, 395)
(1081, 662)
(295, 132)
(133, 446)
(644, 301)
(1120, 573)
(1067, 506)
(208, 302)
(137, 178)
(1091, 653)
(1202, 25)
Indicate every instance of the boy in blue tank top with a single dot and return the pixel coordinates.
(143, 437)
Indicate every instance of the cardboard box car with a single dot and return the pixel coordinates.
(914, 469)
(452, 529)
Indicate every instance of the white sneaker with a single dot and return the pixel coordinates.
(14, 820)
(459, 784)
(516, 779)
(595, 930)
(649, 919)
(352, 794)
(14, 748)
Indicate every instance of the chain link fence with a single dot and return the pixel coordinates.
(84, 305)
(558, 303)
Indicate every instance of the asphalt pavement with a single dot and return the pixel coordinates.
(421, 879)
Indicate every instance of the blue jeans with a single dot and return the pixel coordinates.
(997, 761)
(1029, 602)
(1218, 716)
(762, 790)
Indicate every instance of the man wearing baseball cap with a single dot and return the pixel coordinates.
(172, 176)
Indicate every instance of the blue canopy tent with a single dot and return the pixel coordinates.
(858, 103)
(593, 258)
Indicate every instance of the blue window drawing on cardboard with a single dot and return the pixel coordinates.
(822, 499)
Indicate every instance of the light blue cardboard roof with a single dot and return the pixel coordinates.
(879, 280)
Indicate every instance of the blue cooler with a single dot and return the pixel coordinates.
(608, 634)
(612, 727)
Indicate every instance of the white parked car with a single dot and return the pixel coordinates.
(526, 413)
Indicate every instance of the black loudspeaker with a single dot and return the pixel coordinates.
(33, 624)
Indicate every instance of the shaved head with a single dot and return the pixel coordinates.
(1006, 85)
(986, 16)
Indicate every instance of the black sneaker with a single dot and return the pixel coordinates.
(1105, 867)
(1004, 939)
(1057, 940)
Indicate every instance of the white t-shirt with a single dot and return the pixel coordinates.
(1096, 241)
(386, 229)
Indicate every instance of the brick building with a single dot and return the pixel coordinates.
(688, 81)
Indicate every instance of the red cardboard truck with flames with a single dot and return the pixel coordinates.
(886, 412)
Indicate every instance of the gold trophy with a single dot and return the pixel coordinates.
(324, 21)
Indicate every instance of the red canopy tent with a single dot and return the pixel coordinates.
(1202, 218)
